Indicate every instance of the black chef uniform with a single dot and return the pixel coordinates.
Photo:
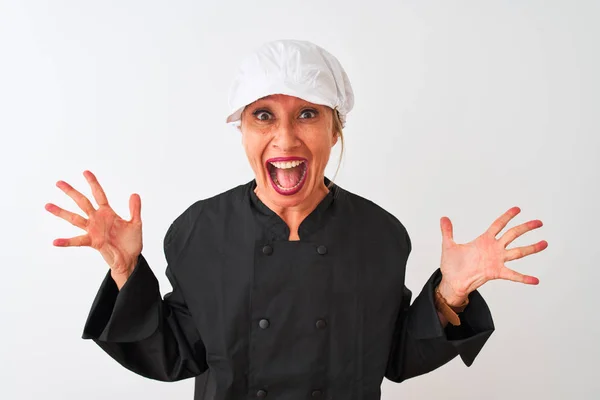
(253, 315)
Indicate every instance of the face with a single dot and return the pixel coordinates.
(288, 142)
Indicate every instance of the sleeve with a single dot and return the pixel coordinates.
(421, 344)
(151, 336)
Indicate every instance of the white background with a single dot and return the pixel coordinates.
(463, 108)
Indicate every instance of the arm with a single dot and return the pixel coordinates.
(153, 337)
(148, 335)
(422, 343)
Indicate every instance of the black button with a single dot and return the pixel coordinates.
(268, 250)
(261, 393)
(321, 324)
(322, 250)
(316, 393)
(263, 323)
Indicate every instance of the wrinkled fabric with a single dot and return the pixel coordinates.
(294, 68)
(254, 315)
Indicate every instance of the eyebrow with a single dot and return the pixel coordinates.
(268, 100)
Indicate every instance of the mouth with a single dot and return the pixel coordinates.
(287, 174)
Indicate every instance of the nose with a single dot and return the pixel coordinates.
(285, 138)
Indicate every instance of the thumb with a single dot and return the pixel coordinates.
(446, 227)
(135, 208)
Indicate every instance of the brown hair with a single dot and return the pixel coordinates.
(337, 128)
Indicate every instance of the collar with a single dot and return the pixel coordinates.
(277, 228)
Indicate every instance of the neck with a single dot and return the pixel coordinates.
(294, 215)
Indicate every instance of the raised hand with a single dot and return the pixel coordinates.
(118, 241)
(465, 267)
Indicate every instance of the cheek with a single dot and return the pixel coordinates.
(321, 151)
(254, 146)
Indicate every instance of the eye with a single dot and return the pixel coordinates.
(262, 115)
(308, 113)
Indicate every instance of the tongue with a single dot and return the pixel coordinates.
(289, 177)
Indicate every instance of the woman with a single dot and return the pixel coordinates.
(288, 286)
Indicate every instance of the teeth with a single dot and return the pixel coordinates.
(286, 164)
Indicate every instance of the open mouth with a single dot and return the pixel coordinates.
(287, 174)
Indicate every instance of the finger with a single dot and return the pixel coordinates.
(510, 275)
(135, 208)
(74, 219)
(447, 230)
(97, 190)
(79, 199)
(517, 231)
(77, 241)
(520, 252)
(503, 220)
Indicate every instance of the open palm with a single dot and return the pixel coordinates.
(119, 241)
(465, 267)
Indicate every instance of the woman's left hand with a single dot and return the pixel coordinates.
(465, 267)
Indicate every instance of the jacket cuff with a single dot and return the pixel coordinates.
(127, 315)
(468, 338)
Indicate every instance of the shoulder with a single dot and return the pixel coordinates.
(371, 215)
(181, 228)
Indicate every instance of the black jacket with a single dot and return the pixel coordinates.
(254, 315)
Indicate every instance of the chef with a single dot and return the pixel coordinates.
(287, 287)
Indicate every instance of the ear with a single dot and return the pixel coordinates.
(242, 136)
(333, 125)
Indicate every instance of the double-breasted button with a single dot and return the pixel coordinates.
(316, 393)
(322, 250)
(261, 394)
(267, 250)
(321, 324)
(263, 323)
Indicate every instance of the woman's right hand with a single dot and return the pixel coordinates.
(118, 241)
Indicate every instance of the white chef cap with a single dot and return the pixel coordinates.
(294, 68)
